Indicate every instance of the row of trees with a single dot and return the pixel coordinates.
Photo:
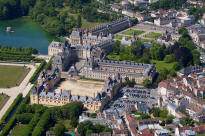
(8, 53)
(40, 67)
(18, 50)
(10, 109)
(13, 119)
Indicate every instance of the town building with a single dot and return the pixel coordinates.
(184, 93)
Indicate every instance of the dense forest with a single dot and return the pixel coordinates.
(56, 17)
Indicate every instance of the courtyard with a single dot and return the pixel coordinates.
(12, 75)
(82, 87)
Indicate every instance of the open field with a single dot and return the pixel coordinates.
(12, 75)
(153, 35)
(130, 32)
(82, 87)
(18, 130)
(161, 64)
(3, 99)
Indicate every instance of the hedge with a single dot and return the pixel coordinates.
(32, 79)
(24, 101)
(8, 126)
(42, 125)
(48, 65)
(31, 125)
(11, 108)
(24, 118)
(13, 120)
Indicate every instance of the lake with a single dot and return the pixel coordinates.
(26, 33)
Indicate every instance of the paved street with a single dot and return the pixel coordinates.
(23, 88)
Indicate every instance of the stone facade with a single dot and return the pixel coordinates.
(44, 94)
(101, 69)
(55, 47)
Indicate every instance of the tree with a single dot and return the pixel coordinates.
(169, 58)
(156, 112)
(177, 66)
(157, 51)
(79, 21)
(116, 47)
(163, 113)
(74, 122)
(183, 31)
(169, 119)
(59, 130)
(84, 126)
(146, 82)
(196, 57)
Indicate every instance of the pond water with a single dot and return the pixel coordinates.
(26, 33)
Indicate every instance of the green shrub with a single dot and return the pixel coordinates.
(34, 76)
(11, 108)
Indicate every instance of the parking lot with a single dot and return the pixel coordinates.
(129, 97)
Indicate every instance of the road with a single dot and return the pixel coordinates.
(23, 88)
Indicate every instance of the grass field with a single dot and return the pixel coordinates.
(130, 32)
(113, 57)
(119, 37)
(144, 40)
(153, 35)
(18, 130)
(12, 75)
(86, 24)
(3, 99)
(161, 64)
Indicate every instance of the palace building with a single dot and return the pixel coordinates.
(101, 69)
(44, 93)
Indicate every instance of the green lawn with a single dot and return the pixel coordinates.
(113, 57)
(3, 99)
(161, 64)
(86, 24)
(119, 37)
(12, 75)
(144, 40)
(131, 31)
(153, 35)
(18, 130)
